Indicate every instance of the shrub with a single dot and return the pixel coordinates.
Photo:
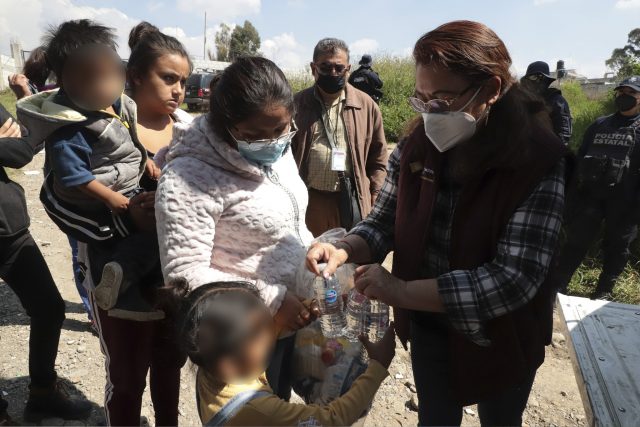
(8, 100)
(584, 110)
(300, 81)
(398, 76)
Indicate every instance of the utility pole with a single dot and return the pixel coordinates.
(204, 47)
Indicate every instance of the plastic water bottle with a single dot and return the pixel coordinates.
(334, 381)
(366, 317)
(329, 295)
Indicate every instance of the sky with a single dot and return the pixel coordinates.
(581, 32)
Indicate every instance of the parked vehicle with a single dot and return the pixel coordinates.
(197, 91)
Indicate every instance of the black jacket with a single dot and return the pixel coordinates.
(607, 137)
(368, 81)
(560, 114)
(14, 153)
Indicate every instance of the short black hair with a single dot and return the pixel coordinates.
(213, 320)
(62, 40)
(246, 87)
(147, 44)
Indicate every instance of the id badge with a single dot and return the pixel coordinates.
(338, 160)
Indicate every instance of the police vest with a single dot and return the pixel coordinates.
(608, 158)
(615, 143)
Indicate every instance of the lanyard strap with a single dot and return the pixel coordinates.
(327, 127)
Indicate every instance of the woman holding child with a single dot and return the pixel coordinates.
(157, 71)
(99, 154)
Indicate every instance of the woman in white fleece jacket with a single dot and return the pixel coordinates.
(230, 204)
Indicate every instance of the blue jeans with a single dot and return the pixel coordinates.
(437, 405)
(78, 276)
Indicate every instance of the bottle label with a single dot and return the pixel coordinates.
(331, 296)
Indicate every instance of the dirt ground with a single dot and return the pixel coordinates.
(555, 400)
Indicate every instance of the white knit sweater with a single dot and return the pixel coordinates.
(220, 218)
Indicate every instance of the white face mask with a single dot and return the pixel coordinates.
(447, 129)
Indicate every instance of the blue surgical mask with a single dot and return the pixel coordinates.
(264, 152)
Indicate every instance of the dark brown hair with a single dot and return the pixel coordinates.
(147, 44)
(64, 39)
(35, 67)
(213, 320)
(245, 88)
(473, 51)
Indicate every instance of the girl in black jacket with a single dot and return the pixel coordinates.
(24, 269)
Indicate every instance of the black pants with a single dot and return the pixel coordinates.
(280, 369)
(584, 222)
(436, 403)
(24, 269)
(137, 254)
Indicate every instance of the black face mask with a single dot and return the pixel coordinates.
(537, 87)
(329, 83)
(625, 102)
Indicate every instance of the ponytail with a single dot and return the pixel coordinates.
(147, 44)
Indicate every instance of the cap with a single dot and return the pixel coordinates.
(633, 82)
(539, 67)
(366, 60)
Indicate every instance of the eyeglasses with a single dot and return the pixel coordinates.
(536, 77)
(268, 141)
(440, 105)
(326, 68)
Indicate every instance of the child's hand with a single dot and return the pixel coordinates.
(384, 350)
(117, 203)
(314, 308)
(19, 84)
(293, 314)
(152, 170)
(142, 211)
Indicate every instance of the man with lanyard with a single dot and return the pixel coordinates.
(340, 146)
(606, 188)
(537, 80)
(367, 80)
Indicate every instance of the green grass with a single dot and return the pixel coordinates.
(8, 100)
(300, 81)
(585, 279)
(398, 76)
(584, 110)
(627, 290)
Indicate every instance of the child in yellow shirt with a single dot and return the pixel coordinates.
(229, 333)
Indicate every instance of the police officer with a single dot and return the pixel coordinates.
(537, 80)
(367, 80)
(606, 188)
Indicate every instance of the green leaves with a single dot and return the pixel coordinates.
(245, 41)
(625, 61)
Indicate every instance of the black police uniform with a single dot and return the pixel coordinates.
(368, 81)
(605, 189)
(560, 114)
